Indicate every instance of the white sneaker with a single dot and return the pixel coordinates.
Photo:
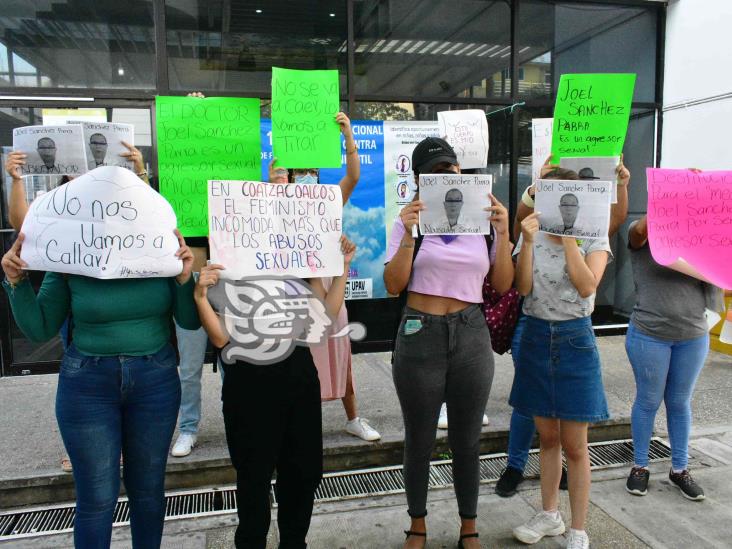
(442, 422)
(578, 540)
(360, 428)
(183, 445)
(542, 524)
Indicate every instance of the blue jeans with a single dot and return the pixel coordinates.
(192, 350)
(111, 405)
(522, 429)
(667, 371)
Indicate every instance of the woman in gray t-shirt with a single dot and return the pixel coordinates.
(667, 343)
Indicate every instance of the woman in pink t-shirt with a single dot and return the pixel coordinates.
(442, 350)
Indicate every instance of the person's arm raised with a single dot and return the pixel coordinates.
(353, 162)
(619, 210)
(584, 273)
(399, 268)
(525, 262)
(502, 272)
(335, 296)
(638, 233)
(210, 321)
(17, 202)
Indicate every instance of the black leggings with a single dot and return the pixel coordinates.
(272, 416)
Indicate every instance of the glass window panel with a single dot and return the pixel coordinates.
(556, 38)
(233, 45)
(79, 44)
(432, 48)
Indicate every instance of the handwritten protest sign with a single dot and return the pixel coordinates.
(467, 132)
(454, 203)
(541, 144)
(573, 208)
(304, 106)
(107, 223)
(591, 114)
(690, 222)
(55, 150)
(199, 139)
(285, 229)
(103, 143)
(598, 168)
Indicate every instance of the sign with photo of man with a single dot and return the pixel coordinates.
(56, 150)
(103, 141)
(455, 203)
(595, 168)
(574, 208)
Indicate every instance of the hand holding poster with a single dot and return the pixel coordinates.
(690, 222)
(573, 208)
(591, 114)
(467, 132)
(103, 142)
(304, 106)
(454, 203)
(107, 223)
(198, 138)
(284, 229)
(55, 150)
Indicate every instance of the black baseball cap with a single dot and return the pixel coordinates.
(431, 151)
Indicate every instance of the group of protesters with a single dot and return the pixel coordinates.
(123, 385)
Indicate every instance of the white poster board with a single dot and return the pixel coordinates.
(573, 208)
(454, 203)
(541, 144)
(467, 132)
(54, 150)
(595, 168)
(106, 223)
(103, 143)
(256, 229)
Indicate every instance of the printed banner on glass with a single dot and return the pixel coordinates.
(690, 222)
(454, 204)
(58, 117)
(573, 208)
(200, 138)
(467, 132)
(106, 223)
(267, 228)
(591, 114)
(56, 150)
(597, 168)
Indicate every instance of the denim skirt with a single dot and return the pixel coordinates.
(558, 371)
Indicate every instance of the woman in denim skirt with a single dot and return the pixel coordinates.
(558, 379)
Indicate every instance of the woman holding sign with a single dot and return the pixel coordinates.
(558, 380)
(118, 388)
(272, 415)
(667, 344)
(443, 351)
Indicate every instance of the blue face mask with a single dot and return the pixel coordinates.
(306, 179)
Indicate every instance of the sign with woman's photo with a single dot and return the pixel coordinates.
(574, 208)
(56, 150)
(454, 203)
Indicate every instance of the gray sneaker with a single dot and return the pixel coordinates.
(689, 488)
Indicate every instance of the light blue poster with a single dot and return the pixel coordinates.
(363, 215)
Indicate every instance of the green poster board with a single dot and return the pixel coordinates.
(304, 106)
(591, 114)
(201, 139)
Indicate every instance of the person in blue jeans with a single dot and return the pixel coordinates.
(118, 388)
(667, 343)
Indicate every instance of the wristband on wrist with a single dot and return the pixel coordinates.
(526, 198)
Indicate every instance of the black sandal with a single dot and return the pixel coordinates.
(460, 541)
(408, 533)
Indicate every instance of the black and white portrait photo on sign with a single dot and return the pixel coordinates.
(573, 208)
(104, 146)
(454, 203)
(51, 150)
(595, 168)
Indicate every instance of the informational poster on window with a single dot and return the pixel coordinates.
(690, 222)
(199, 139)
(541, 144)
(51, 150)
(59, 117)
(595, 168)
(304, 106)
(573, 208)
(260, 228)
(105, 224)
(467, 132)
(455, 203)
(591, 114)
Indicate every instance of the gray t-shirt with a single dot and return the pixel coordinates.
(553, 296)
(668, 304)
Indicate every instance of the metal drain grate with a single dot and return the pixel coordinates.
(334, 487)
